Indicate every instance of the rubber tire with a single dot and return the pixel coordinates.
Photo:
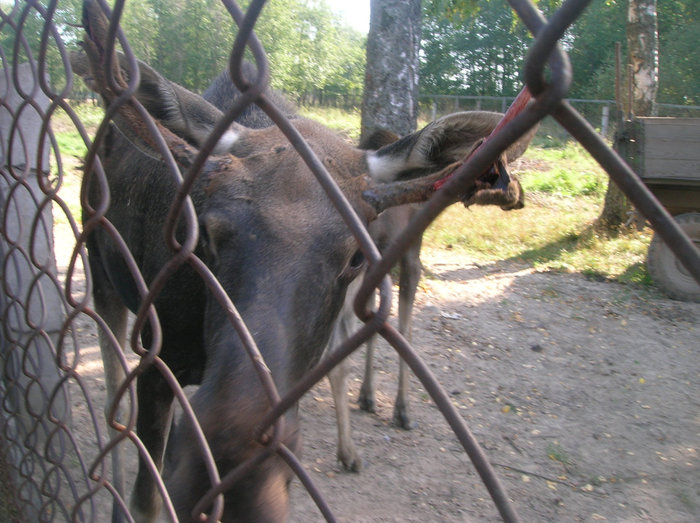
(666, 271)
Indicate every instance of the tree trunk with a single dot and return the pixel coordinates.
(643, 49)
(643, 45)
(390, 99)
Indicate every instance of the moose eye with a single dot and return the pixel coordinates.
(354, 266)
(358, 260)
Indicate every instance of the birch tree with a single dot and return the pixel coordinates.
(390, 98)
(643, 50)
(643, 53)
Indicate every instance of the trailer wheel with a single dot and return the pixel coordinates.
(664, 268)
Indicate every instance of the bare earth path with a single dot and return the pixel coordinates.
(585, 395)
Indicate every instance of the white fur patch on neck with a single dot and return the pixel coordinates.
(383, 168)
(226, 142)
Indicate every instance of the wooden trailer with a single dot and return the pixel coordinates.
(665, 152)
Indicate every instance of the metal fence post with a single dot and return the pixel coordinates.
(605, 121)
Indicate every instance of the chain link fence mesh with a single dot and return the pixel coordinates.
(52, 472)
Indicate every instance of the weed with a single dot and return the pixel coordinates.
(572, 172)
(555, 452)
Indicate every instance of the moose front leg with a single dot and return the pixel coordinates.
(347, 454)
(367, 397)
(110, 308)
(155, 399)
(344, 326)
(410, 269)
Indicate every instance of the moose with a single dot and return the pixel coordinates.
(277, 247)
(384, 230)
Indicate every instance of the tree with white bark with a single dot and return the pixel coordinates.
(643, 59)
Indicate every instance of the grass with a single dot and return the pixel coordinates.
(565, 188)
(72, 150)
(550, 233)
(346, 123)
(565, 170)
(556, 230)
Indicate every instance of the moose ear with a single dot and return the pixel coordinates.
(183, 112)
(440, 143)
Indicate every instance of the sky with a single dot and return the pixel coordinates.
(354, 12)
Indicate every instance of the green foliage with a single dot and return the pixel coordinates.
(570, 171)
(592, 48)
(478, 47)
(453, 10)
(310, 49)
(29, 20)
(469, 46)
(189, 41)
(458, 11)
(679, 53)
(481, 55)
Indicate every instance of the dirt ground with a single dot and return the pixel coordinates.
(584, 394)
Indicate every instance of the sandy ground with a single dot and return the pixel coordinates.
(584, 395)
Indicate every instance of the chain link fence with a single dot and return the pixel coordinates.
(56, 455)
(600, 114)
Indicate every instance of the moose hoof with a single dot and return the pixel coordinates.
(402, 419)
(367, 402)
(352, 463)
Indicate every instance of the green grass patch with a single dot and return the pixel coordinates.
(88, 113)
(564, 182)
(344, 122)
(72, 150)
(567, 170)
(556, 452)
(550, 233)
(71, 144)
(556, 230)
(539, 233)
